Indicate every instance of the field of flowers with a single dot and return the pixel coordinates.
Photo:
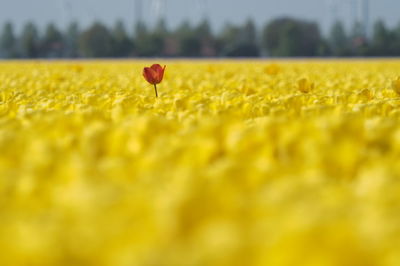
(235, 163)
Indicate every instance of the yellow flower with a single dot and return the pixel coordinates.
(272, 69)
(396, 85)
(305, 86)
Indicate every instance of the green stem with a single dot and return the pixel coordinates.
(155, 89)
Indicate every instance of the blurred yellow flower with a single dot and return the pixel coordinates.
(305, 86)
(396, 85)
(272, 69)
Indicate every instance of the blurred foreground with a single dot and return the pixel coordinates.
(236, 163)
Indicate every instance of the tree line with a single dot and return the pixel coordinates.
(278, 38)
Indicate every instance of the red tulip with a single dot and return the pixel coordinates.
(154, 75)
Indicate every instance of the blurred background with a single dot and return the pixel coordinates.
(198, 28)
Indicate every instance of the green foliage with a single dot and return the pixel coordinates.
(52, 44)
(383, 40)
(207, 40)
(239, 41)
(147, 43)
(189, 41)
(123, 45)
(396, 41)
(339, 40)
(204, 31)
(291, 37)
(8, 41)
(96, 41)
(280, 37)
(71, 40)
(249, 32)
(359, 41)
(30, 41)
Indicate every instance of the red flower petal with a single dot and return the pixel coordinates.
(150, 75)
(154, 74)
(157, 68)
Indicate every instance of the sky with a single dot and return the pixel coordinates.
(175, 12)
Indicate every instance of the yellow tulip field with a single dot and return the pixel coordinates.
(275, 163)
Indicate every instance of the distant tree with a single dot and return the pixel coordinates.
(247, 45)
(290, 40)
(163, 42)
(52, 44)
(291, 37)
(140, 30)
(207, 39)
(239, 41)
(72, 40)
(148, 44)
(190, 46)
(357, 30)
(96, 41)
(29, 41)
(203, 30)
(162, 33)
(339, 41)
(123, 45)
(324, 49)
(280, 37)
(249, 32)
(161, 28)
(359, 42)
(228, 39)
(8, 41)
(382, 40)
(139, 34)
(189, 42)
(396, 42)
